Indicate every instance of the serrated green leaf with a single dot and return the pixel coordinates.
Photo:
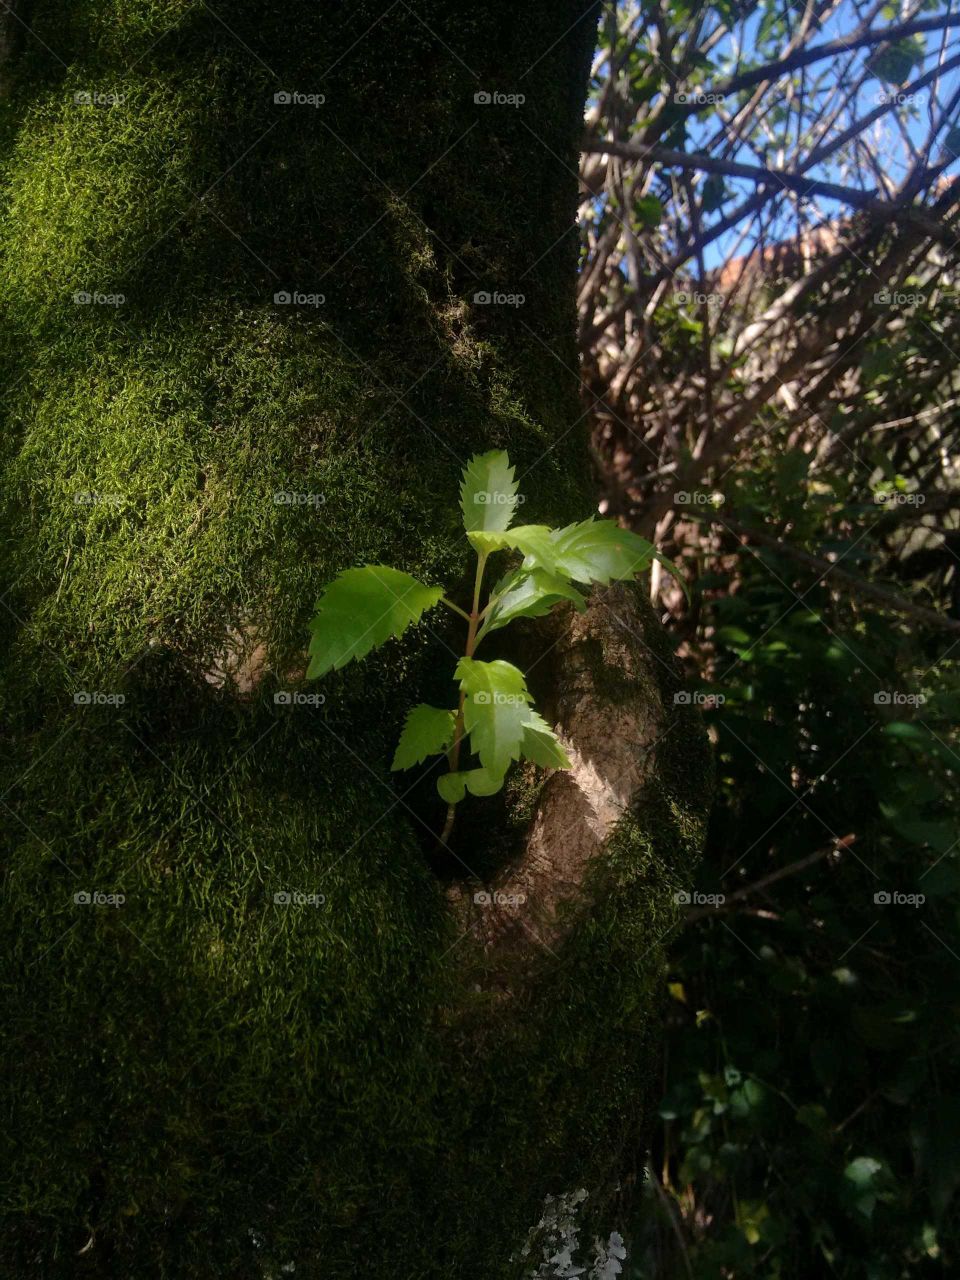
(427, 732)
(528, 593)
(590, 551)
(532, 540)
(479, 782)
(600, 551)
(361, 609)
(541, 745)
(488, 492)
(491, 677)
(495, 723)
(495, 710)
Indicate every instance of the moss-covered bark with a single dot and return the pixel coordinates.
(203, 1081)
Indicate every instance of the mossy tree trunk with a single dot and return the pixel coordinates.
(373, 1078)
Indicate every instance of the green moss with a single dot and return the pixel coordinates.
(202, 1061)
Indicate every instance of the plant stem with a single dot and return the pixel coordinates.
(473, 620)
(455, 607)
(447, 826)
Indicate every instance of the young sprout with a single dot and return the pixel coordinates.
(494, 718)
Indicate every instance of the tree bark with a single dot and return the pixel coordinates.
(244, 351)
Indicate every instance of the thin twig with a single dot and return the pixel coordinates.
(790, 870)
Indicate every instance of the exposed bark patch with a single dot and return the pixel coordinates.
(242, 662)
(610, 715)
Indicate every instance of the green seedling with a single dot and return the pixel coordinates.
(363, 608)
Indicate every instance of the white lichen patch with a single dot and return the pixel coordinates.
(556, 1237)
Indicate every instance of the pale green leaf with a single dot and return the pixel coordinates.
(479, 782)
(496, 707)
(495, 723)
(600, 551)
(427, 732)
(527, 593)
(452, 787)
(541, 745)
(533, 540)
(361, 609)
(501, 677)
(488, 492)
(590, 551)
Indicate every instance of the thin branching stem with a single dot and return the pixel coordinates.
(473, 621)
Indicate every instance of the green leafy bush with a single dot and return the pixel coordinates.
(810, 1122)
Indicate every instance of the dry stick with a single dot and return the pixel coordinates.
(717, 446)
(843, 843)
(671, 1218)
(864, 38)
(757, 201)
(453, 756)
(839, 1128)
(870, 589)
(790, 180)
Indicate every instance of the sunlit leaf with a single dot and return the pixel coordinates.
(528, 593)
(479, 782)
(541, 745)
(361, 609)
(427, 732)
(599, 551)
(495, 711)
(488, 492)
(533, 540)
